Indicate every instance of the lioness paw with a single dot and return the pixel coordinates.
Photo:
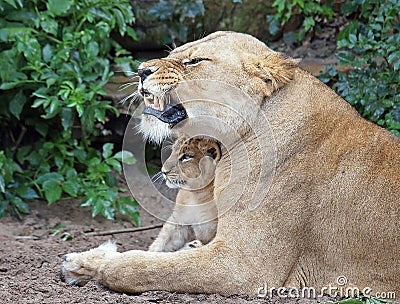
(79, 268)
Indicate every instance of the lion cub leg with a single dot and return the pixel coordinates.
(192, 245)
(171, 237)
(205, 232)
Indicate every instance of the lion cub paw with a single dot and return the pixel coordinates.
(192, 245)
(79, 268)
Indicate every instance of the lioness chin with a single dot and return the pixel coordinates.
(316, 192)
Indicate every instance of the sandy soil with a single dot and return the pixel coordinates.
(31, 252)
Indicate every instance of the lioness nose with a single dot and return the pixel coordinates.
(164, 172)
(143, 73)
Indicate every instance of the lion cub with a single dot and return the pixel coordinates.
(191, 168)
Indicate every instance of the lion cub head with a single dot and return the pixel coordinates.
(192, 163)
(208, 76)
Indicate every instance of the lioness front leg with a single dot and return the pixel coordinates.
(79, 268)
(208, 269)
(172, 237)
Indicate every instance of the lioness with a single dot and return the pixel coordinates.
(190, 167)
(332, 178)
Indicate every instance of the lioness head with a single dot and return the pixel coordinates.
(192, 163)
(237, 60)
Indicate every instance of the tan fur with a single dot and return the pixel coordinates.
(195, 213)
(332, 208)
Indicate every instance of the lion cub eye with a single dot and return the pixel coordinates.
(193, 61)
(185, 157)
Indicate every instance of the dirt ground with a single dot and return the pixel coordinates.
(31, 252)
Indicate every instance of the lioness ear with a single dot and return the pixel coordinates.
(274, 68)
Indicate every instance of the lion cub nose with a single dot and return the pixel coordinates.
(143, 73)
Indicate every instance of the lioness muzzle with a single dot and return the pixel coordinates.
(172, 114)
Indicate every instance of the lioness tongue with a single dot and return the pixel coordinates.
(172, 114)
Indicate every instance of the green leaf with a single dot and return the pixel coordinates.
(274, 24)
(308, 23)
(115, 164)
(52, 190)
(67, 118)
(131, 33)
(20, 205)
(51, 176)
(108, 211)
(26, 192)
(12, 33)
(9, 85)
(353, 38)
(22, 153)
(31, 49)
(125, 157)
(71, 187)
(396, 66)
(348, 7)
(107, 150)
(50, 25)
(110, 180)
(47, 53)
(2, 184)
(128, 206)
(3, 207)
(17, 103)
(12, 3)
(110, 194)
(92, 49)
(33, 158)
(345, 57)
(42, 128)
(350, 301)
(59, 7)
(97, 206)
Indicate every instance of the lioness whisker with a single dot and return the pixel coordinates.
(127, 85)
(133, 96)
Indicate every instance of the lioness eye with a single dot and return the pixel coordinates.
(185, 157)
(193, 61)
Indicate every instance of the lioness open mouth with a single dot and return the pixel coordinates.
(153, 101)
(171, 115)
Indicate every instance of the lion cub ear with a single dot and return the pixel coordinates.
(211, 149)
(275, 69)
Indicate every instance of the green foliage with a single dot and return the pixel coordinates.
(178, 15)
(14, 187)
(310, 10)
(362, 300)
(55, 60)
(369, 44)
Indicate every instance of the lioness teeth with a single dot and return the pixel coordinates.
(148, 98)
(153, 101)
